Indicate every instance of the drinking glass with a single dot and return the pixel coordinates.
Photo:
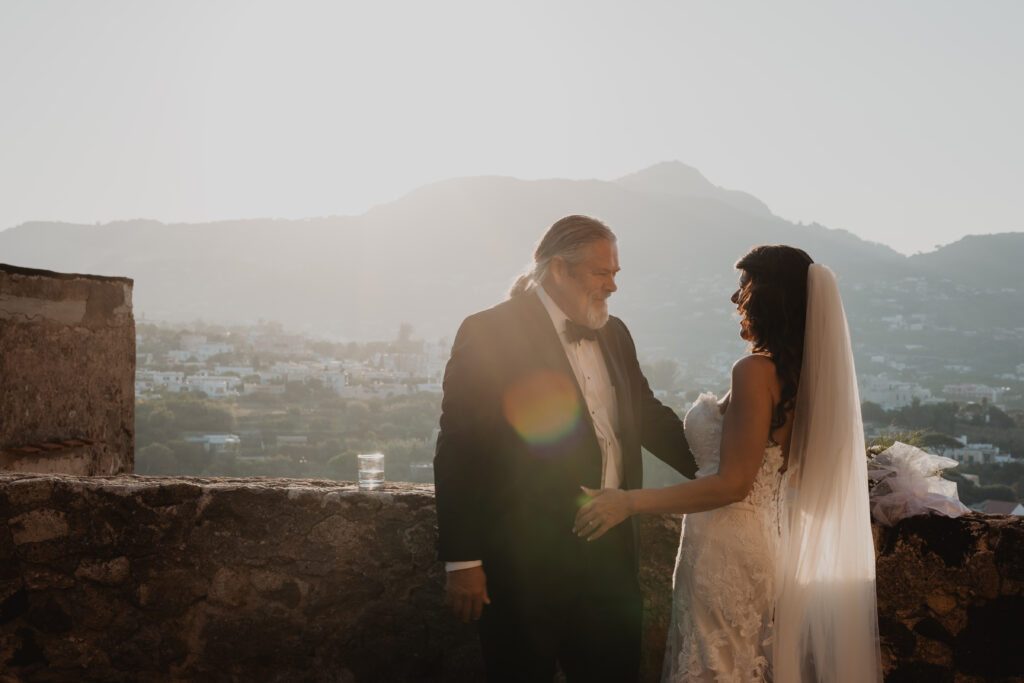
(371, 471)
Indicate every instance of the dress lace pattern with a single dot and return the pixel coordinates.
(723, 588)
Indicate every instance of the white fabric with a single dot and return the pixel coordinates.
(588, 365)
(825, 616)
(468, 564)
(909, 482)
(723, 587)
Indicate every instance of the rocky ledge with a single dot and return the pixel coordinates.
(155, 578)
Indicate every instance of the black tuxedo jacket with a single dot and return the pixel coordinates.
(516, 443)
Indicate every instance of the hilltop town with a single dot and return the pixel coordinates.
(263, 400)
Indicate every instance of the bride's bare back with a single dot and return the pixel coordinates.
(767, 382)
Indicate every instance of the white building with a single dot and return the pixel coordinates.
(210, 349)
(334, 380)
(217, 443)
(890, 393)
(976, 453)
(214, 387)
(962, 369)
(249, 388)
(178, 355)
(975, 392)
(271, 377)
(296, 372)
(160, 377)
(437, 358)
(240, 370)
(152, 380)
(233, 381)
(364, 391)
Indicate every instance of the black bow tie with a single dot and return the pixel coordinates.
(576, 332)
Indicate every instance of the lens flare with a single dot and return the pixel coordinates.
(544, 408)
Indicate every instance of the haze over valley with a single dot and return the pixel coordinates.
(453, 247)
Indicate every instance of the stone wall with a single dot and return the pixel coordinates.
(951, 599)
(151, 579)
(67, 372)
(145, 578)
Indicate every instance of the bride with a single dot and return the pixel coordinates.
(775, 576)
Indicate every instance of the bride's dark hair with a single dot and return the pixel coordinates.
(774, 307)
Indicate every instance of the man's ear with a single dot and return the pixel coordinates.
(559, 270)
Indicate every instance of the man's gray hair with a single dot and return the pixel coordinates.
(568, 238)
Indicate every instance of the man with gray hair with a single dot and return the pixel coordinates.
(543, 394)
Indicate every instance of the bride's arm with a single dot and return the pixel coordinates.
(745, 430)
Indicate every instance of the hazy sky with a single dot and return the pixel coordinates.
(897, 120)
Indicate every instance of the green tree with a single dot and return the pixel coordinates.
(154, 421)
(156, 458)
(191, 457)
(343, 466)
(995, 492)
(932, 440)
(995, 417)
(199, 415)
(872, 412)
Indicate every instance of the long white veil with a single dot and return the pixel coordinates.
(826, 625)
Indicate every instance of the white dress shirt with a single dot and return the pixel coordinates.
(599, 398)
(591, 372)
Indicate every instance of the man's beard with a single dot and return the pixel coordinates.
(597, 313)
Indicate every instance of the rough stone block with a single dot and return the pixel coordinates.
(67, 363)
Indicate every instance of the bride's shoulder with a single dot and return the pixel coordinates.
(755, 370)
(755, 363)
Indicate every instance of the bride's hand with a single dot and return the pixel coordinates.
(607, 508)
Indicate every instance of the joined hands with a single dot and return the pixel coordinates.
(607, 508)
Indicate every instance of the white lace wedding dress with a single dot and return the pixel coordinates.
(723, 590)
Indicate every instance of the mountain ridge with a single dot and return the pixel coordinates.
(451, 247)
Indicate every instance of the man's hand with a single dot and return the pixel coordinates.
(467, 593)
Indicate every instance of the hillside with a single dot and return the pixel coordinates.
(986, 261)
(452, 247)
